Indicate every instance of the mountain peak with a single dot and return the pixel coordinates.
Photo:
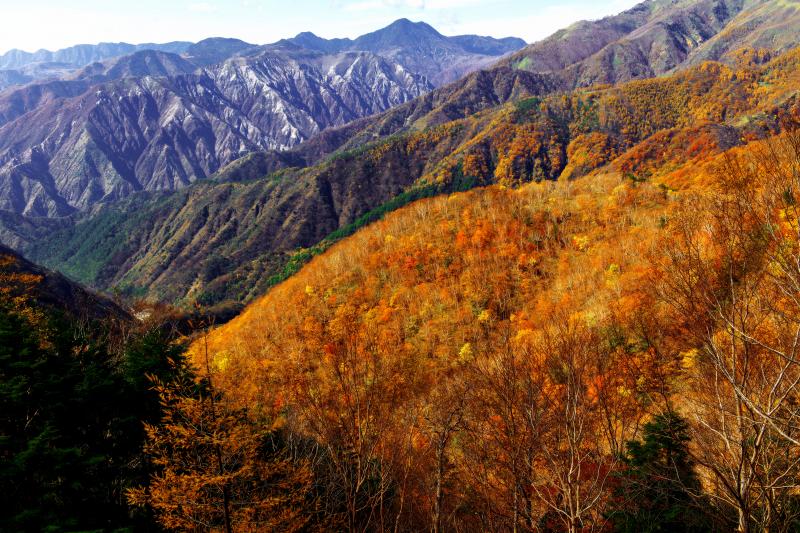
(215, 49)
(407, 25)
(404, 22)
(401, 32)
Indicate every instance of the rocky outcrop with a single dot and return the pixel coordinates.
(154, 125)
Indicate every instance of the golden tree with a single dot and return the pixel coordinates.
(216, 470)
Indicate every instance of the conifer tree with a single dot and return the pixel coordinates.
(658, 489)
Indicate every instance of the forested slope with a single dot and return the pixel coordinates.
(504, 358)
(226, 240)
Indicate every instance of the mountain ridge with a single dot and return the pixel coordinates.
(54, 292)
(229, 238)
(84, 54)
(157, 120)
(168, 131)
(414, 44)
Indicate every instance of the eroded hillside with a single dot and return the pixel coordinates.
(230, 240)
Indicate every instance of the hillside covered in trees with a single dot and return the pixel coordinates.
(559, 295)
(228, 240)
(600, 354)
(75, 389)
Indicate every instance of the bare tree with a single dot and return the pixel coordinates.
(575, 459)
(733, 276)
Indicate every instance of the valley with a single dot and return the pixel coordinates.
(407, 281)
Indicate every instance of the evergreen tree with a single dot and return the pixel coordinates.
(58, 428)
(71, 420)
(658, 489)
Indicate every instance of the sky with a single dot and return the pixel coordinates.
(52, 24)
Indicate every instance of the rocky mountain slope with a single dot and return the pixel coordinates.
(157, 120)
(68, 145)
(230, 238)
(659, 36)
(135, 65)
(9, 78)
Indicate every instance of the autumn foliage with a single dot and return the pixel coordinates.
(434, 354)
(603, 338)
(487, 360)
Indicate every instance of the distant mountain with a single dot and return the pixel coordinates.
(441, 58)
(84, 54)
(9, 78)
(154, 124)
(421, 49)
(217, 49)
(155, 120)
(136, 65)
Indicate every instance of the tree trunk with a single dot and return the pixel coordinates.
(744, 523)
(437, 502)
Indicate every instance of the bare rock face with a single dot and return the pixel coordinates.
(155, 122)
(104, 121)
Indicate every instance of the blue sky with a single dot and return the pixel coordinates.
(52, 24)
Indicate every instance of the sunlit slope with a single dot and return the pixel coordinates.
(218, 242)
(446, 277)
(465, 335)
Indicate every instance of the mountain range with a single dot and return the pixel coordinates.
(228, 239)
(18, 67)
(155, 120)
(421, 49)
(559, 292)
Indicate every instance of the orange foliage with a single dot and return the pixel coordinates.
(351, 348)
(457, 341)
